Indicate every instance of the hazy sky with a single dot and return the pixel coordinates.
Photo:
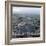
(27, 10)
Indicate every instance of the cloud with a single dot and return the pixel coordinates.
(27, 10)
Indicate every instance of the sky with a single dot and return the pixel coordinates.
(27, 10)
